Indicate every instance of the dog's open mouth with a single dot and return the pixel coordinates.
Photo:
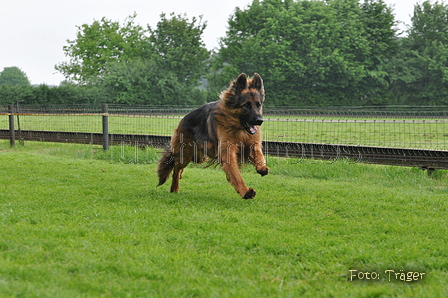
(252, 129)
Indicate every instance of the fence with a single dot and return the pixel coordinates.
(392, 135)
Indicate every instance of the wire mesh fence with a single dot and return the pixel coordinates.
(3, 117)
(396, 127)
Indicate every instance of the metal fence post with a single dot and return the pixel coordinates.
(105, 126)
(12, 133)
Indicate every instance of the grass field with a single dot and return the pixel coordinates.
(383, 132)
(79, 222)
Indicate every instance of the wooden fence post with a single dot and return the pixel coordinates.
(105, 126)
(12, 133)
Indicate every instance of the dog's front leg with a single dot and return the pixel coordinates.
(256, 154)
(229, 163)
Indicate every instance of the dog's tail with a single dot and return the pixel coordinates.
(166, 165)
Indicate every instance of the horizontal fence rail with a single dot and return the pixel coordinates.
(424, 159)
(408, 136)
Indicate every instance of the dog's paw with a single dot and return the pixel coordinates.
(263, 171)
(250, 194)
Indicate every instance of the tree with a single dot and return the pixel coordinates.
(179, 47)
(13, 76)
(381, 34)
(309, 52)
(140, 66)
(422, 66)
(170, 75)
(144, 82)
(12, 94)
(100, 43)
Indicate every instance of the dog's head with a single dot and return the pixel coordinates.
(244, 98)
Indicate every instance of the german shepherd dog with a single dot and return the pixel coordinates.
(226, 131)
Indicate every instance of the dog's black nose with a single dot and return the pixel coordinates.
(258, 121)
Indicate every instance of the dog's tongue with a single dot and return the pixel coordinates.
(253, 129)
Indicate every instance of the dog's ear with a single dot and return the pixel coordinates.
(240, 83)
(257, 82)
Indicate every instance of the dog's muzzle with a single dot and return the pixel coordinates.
(253, 128)
(258, 121)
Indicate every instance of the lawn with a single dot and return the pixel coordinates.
(79, 222)
(382, 132)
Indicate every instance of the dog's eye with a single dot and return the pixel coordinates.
(247, 105)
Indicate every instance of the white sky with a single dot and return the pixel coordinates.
(32, 33)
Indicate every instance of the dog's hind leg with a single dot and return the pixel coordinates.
(177, 175)
(180, 163)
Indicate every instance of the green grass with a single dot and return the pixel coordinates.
(79, 222)
(383, 132)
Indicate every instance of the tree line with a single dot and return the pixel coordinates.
(313, 53)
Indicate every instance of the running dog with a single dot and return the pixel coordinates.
(226, 131)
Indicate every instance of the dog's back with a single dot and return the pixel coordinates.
(199, 125)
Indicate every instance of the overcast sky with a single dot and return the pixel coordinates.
(32, 33)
